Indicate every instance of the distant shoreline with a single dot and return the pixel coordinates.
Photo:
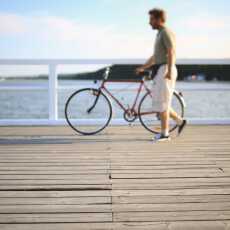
(126, 72)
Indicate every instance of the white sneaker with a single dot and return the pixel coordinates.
(160, 138)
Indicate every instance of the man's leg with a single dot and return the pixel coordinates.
(175, 117)
(179, 120)
(165, 122)
(164, 135)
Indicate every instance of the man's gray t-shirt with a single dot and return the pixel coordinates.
(165, 39)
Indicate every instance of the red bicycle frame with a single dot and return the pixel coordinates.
(141, 86)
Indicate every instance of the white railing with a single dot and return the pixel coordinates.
(53, 85)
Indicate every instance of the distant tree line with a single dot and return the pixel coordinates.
(126, 72)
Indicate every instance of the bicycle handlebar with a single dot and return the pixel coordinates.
(106, 73)
(146, 74)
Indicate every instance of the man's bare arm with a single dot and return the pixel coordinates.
(171, 62)
(150, 62)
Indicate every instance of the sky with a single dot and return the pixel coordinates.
(110, 28)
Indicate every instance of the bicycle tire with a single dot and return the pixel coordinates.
(78, 129)
(152, 130)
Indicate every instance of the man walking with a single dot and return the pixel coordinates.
(164, 59)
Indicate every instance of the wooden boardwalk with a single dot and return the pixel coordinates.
(52, 179)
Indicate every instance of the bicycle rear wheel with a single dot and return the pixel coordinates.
(151, 120)
(88, 111)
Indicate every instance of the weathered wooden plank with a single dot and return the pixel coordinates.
(53, 182)
(55, 172)
(100, 153)
(55, 208)
(162, 167)
(171, 180)
(170, 183)
(160, 199)
(88, 226)
(167, 171)
(55, 201)
(54, 194)
(188, 225)
(196, 225)
(55, 218)
(9, 167)
(115, 159)
(106, 165)
(92, 169)
(50, 160)
(171, 216)
(218, 206)
(169, 186)
(55, 164)
(175, 175)
(208, 191)
(75, 177)
(54, 187)
(118, 157)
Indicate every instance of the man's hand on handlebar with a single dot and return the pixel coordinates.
(145, 73)
(140, 70)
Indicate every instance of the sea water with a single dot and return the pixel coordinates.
(206, 100)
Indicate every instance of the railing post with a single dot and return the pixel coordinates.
(53, 94)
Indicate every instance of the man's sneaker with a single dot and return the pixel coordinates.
(182, 126)
(160, 137)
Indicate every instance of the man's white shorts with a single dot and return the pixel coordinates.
(162, 89)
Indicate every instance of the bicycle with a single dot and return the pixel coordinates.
(88, 111)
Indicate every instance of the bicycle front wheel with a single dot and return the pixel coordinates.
(151, 120)
(88, 111)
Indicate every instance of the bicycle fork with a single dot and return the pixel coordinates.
(97, 94)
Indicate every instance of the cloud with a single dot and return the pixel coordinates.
(48, 27)
(11, 24)
(207, 22)
(73, 38)
(204, 36)
(58, 37)
(203, 46)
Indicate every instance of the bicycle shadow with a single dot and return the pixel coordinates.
(35, 141)
(74, 140)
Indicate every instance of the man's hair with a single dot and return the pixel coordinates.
(158, 14)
